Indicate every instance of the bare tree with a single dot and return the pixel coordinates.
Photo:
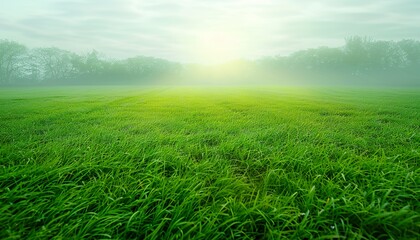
(54, 64)
(11, 64)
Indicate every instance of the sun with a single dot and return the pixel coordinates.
(216, 47)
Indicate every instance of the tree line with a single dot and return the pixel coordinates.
(20, 65)
(360, 60)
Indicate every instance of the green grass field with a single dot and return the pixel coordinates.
(215, 163)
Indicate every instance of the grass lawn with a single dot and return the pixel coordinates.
(209, 163)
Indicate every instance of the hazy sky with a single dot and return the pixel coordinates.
(203, 30)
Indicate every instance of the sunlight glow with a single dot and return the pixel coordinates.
(216, 47)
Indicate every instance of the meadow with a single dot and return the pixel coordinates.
(209, 163)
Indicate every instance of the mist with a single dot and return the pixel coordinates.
(361, 61)
(216, 43)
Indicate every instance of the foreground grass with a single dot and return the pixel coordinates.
(209, 164)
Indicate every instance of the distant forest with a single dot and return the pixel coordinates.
(361, 61)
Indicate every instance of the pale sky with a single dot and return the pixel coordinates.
(203, 30)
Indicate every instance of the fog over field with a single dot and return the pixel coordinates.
(209, 119)
(64, 42)
(190, 31)
(360, 62)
